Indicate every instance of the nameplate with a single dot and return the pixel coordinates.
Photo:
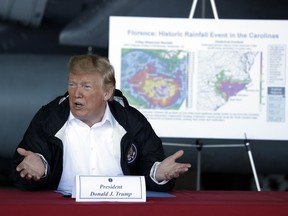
(112, 188)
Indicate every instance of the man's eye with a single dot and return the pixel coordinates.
(87, 87)
(72, 85)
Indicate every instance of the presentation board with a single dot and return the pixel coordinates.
(204, 78)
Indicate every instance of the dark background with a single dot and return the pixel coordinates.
(37, 37)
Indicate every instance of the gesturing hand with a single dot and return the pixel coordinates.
(31, 166)
(169, 168)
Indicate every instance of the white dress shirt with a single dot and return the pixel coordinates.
(89, 150)
(92, 150)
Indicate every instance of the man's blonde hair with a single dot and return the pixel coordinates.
(91, 63)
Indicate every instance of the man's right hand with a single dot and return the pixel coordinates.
(32, 166)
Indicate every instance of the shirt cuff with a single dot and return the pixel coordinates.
(45, 164)
(153, 174)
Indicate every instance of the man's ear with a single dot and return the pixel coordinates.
(108, 94)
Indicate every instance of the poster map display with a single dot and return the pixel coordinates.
(204, 78)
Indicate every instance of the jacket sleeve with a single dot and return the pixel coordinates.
(152, 151)
(149, 145)
(38, 140)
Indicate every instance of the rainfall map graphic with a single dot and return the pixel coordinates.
(154, 79)
(222, 75)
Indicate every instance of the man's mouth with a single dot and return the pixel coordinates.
(78, 105)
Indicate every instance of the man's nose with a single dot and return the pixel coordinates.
(78, 91)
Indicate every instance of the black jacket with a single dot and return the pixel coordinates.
(40, 138)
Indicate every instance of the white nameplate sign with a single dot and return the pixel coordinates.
(112, 188)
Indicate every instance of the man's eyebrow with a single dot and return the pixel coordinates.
(86, 82)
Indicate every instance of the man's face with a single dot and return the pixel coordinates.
(86, 97)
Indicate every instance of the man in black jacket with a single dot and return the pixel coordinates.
(91, 130)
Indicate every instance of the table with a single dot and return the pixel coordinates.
(198, 203)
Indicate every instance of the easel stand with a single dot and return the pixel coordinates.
(199, 143)
(192, 11)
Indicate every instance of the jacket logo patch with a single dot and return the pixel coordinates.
(132, 153)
